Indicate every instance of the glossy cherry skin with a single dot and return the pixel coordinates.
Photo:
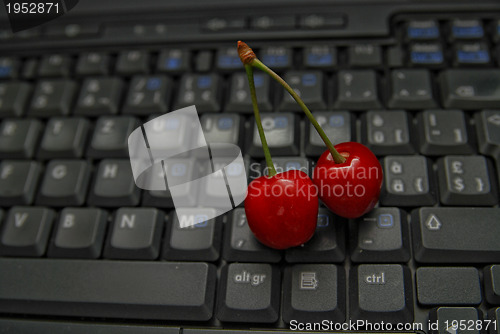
(282, 210)
(352, 188)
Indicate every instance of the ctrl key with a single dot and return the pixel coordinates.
(381, 293)
(249, 293)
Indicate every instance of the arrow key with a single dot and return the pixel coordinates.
(456, 235)
(449, 319)
(492, 284)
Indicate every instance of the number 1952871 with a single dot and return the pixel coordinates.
(32, 8)
(470, 324)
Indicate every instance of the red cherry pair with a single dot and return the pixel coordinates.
(347, 178)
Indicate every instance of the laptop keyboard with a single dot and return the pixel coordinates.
(81, 244)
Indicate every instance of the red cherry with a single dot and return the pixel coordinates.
(352, 188)
(282, 210)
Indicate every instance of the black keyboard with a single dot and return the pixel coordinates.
(420, 86)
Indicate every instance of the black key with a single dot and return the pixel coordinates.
(26, 231)
(181, 170)
(426, 54)
(494, 315)
(226, 128)
(380, 236)
(240, 245)
(18, 138)
(18, 181)
(239, 93)
(46, 327)
(228, 59)
(276, 57)
(365, 55)
(293, 326)
(357, 90)
(470, 88)
(434, 285)
(114, 185)
(30, 67)
(79, 234)
(409, 181)
(460, 320)
(495, 29)
(282, 134)
(92, 63)
(192, 237)
(132, 62)
(99, 96)
(387, 132)
(381, 293)
(326, 245)
(173, 61)
(228, 173)
(13, 98)
(249, 293)
(456, 235)
(135, 234)
(148, 95)
(313, 292)
(64, 138)
(337, 125)
(411, 89)
(203, 61)
(443, 132)
(467, 180)
(422, 30)
(395, 57)
(9, 68)
(488, 132)
(52, 98)
(97, 289)
(320, 56)
(285, 164)
(272, 22)
(309, 85)
(466, 29)
(202, 90)
(110, 138)
(467, 54)
(321, 21)
(55, 65)
(492, 284)
(225, 23)
(65, 183)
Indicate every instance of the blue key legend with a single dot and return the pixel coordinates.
(427, 57)
(478, 57)
(423, 33)
(385, 220)
(323, 221)
(468, 32)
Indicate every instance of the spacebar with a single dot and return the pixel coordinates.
(114, 289)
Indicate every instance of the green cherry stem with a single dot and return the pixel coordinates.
(248, 58)
(271, 171)
(337, 157)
